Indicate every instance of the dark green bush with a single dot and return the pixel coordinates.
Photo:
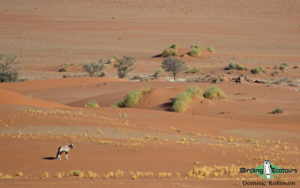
(95, 69)
(124, 65)
(8, 73)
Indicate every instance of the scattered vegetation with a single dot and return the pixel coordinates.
(123, 115)
(113, 59)
(235, 66)
(76, 173)
(194, 52)
(211, 49)
(258, 70)
(158, 73)
(277, 111)
(182, 100)
(200, 47)
(275, 73)
(20, 174)
(95, 69)
(8, 73)
(92, 175)
(283, 66)
(214, 92)
(59, 175)
(133, 98)
(92, 104)
(207, 78)
(124, 65)
(193, 70)
(45, 175)
(172, 50)
(173, 65)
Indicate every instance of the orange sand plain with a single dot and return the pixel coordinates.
(38, 115)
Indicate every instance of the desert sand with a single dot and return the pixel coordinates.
(148, 145)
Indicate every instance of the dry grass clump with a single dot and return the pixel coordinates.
(45, 175)
(92, 175)
(92, 104)
(59, 175)
(78, 173)
(137, 174)
(20, 174)
(133, 98)
(214, 92)
(205, 171)
(182, 100)
(164, 174)
(117, 175)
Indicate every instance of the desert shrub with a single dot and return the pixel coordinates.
(76, 173)
(124, 65)
(174, 46)
(173, 65)
(235, 66)
(133, 98)
(194, 52)
(113, 59)
(283, 66)
(277, 111)
(181, 101)
(214, 92)
(296, 67)
(8, 73)
(169, 52)
(193, 70)
(172, 50)
(257, 70)
(207, 78)
(200, 47)
(158, 73)
(211, 49)
(275, 73)
(92, 104)
(95, 69)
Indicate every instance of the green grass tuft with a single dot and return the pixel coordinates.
(182, 100)
(194, 52)
(277, 111)
(257, 70)
(92, 104)
(211, 49)
(133, 98)
(283, 66)
(214, 92)
(235, 66)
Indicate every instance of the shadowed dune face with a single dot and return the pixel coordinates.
(148, 145)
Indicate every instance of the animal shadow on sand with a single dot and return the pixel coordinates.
(168, 105)
(49, 158)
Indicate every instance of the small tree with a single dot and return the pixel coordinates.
(95, 69)
(173, 65)
(7, 72)
(124, 65)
